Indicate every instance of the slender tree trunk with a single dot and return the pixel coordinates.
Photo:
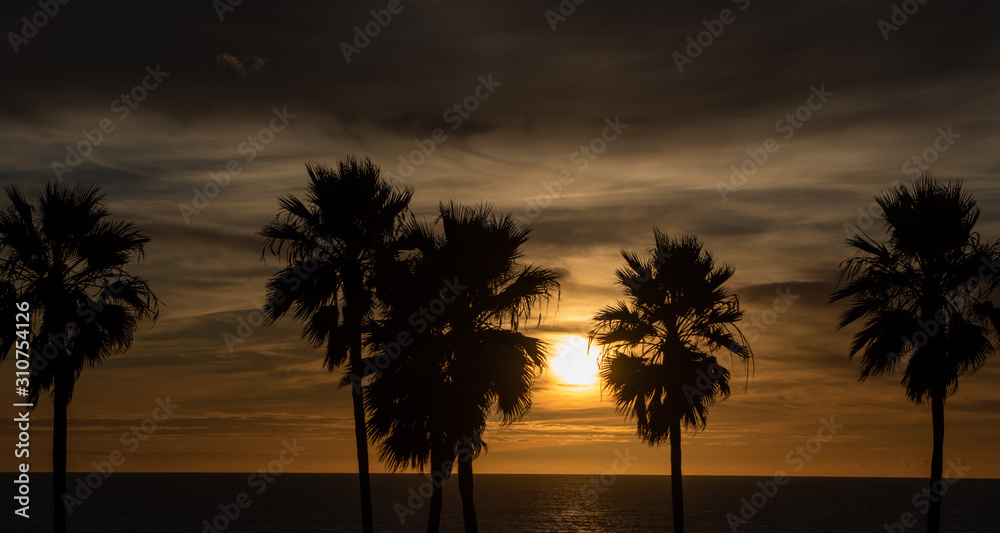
(361, 439)
(434, 516)
(676, 486)
(465, 488)
(937, 458)
(59, 426)
(353, 316)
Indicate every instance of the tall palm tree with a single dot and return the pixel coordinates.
(469, 362)
(658, 345)
(66, 258)
(408, 405)
(924, 294)
(332, 243)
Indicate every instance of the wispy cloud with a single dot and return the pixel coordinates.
(243, 64)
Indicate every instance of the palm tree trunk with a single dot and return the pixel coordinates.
(937, 457)
(434, 517)
(59, 427)
(676, 487)
(361, 440)
(465, 488)
(352, 324)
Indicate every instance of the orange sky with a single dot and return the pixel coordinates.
(782, 229)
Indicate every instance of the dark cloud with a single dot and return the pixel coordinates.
(808, 293)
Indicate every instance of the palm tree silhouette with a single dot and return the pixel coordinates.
(913, 290)
(657, 346)
(471, 359)
(409, 406)
(332, 243)
(66, 258)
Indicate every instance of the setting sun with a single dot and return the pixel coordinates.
(573, 364)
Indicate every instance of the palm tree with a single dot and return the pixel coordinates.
(493, 364)
(332, 243)
(65, 257)
(658, 346)
(471, 360)
(924, 295)
(408, 404)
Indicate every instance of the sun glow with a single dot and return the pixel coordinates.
(572, 364)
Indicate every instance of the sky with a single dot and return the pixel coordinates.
(595, 121)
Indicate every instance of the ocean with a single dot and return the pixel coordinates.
(200, 503)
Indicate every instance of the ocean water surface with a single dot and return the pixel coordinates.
(198, 503)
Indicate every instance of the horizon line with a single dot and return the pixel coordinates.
(525, 474)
